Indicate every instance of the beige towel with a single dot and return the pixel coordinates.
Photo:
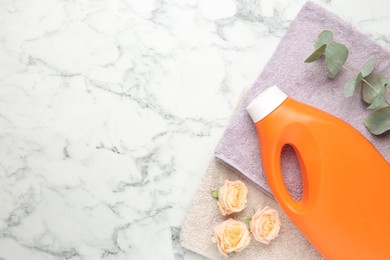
(197, 229)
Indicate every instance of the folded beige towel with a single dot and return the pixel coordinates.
(197, 229)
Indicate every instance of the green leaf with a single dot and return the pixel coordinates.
(316, 54)
(371, 91)
(335, 56)
(325, 37)
(351, 87)
(215, 193)
(358, 80)
(379, 100)
(247, 220)
(368, 67)
(379, 121)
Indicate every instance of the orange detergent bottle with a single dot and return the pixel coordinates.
(345, 208)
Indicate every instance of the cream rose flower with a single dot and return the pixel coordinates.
(231, 236)
(232, 197)
(265, 225)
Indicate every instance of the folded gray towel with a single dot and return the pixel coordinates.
(197, 229)
(307, 83)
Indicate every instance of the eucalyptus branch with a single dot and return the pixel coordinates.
(374, 87)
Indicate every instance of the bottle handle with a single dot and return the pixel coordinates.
(303, 142)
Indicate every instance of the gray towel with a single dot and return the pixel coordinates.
(307, 83)
(203, 215)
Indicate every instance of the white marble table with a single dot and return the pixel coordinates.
(110, 111)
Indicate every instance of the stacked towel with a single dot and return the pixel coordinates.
(307, 83)
(238, 149)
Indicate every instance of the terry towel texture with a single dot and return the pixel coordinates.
(197, 229)
(308, 83)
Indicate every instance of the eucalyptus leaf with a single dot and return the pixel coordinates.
(335, 56)
(316, 54)
(351, 86)
(325, 37)
(358, 80)
(379, 100)
(349, 89)
(368, 67)
(371, 92)
(379, 121)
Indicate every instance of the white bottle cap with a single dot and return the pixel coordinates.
(266, 102)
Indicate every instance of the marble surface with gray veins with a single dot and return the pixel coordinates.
(110, 111)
